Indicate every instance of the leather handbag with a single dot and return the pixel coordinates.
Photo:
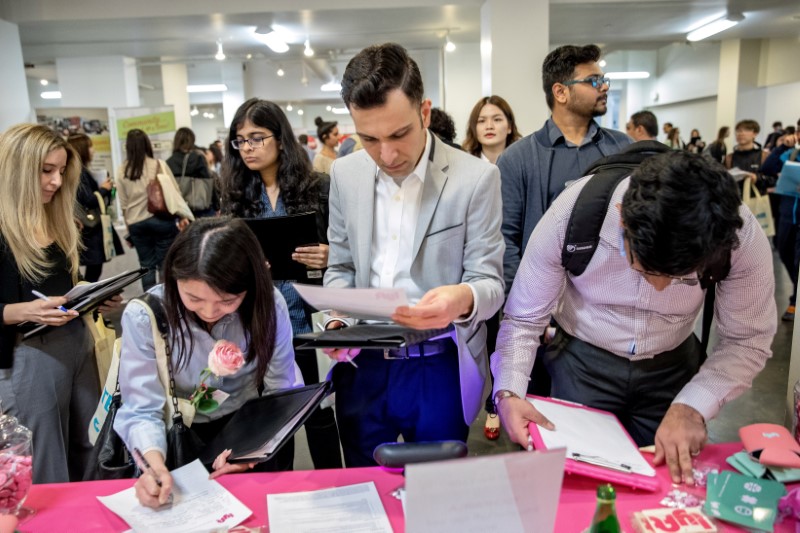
(156, 203)
(89, 218)
(198, 192)
(110, 458)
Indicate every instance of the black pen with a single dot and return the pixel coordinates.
(145, 466)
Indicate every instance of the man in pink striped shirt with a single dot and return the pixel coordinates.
(625, 340)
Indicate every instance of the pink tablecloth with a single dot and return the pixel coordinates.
(71, 507)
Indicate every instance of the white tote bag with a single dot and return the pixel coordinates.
(759, 206)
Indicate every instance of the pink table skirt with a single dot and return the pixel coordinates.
(74, 506)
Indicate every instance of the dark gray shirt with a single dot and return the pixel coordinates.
(570, 160)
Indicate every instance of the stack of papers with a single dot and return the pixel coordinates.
(354, 508)
(199, 504)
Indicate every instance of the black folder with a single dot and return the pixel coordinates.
(88, 299)
(263, 425)
(279, 237)
(368, 336)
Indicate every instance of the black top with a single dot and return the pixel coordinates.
(13, 289)
(196, 165)
(92, 238)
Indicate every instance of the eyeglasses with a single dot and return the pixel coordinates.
(254, 142)
(595, 81)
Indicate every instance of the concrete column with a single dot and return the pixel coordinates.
(108, 81)
(15, 106)
(462, 83)
(174, 80)
(728, 84)
(233, 77)
(516, 32)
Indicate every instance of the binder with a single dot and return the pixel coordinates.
(789, 180)
(86, 297)
(598, 446)
(279, 237)
(369, 336)
(263, 425)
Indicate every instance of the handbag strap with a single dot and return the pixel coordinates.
(162, 327)
(100, 202)
(183, 169)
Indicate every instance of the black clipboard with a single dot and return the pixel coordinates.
(260, 428)
(367, 336)
(94, 297)
(279, 237)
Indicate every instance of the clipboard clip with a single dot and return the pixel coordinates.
(599, 461)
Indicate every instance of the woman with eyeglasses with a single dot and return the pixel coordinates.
(267, 174)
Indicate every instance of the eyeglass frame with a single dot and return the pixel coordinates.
(595, 81)
(237, 144)
(676, 280)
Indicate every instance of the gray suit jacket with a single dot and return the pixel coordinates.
(457, 240)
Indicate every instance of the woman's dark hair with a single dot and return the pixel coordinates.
(376, 71)
(183, 141)
(81, 143)
(681, 213)
(471, 143)
(722, 133)
(226, 255)
(324, 129)
(559, 66)
(442, 125)
(137, 150)
(242, 187)
(214, 149)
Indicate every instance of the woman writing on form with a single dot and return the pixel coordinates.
(216, 288)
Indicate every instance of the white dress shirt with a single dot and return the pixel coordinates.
(395, 223)
(613, 307)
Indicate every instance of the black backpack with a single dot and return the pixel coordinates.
(589, 213)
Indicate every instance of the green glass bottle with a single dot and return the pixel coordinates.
(605, 516)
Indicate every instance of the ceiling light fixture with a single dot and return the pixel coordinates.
(327, 108)
(715, 27)
(194, 112)
(602, 63)
(633, 75)
(210, 88)
(300, 112)
(275, 37)
(331, 86)
(289, 107)
(339, 110)
(280, 72)
(449, 46)
(220, 54)
(308, 51)
(304, 79)
(51, 95)
(44, 82)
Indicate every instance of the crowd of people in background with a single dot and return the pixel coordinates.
(264, 170)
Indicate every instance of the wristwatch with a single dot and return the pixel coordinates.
(502, 395)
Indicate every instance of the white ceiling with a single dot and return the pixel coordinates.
(188, 30)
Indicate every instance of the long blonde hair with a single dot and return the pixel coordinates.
(23, 149)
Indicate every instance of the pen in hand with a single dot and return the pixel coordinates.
(348, 356)
(46, 299)
(144, 466)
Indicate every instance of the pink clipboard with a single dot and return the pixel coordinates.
(602, 473)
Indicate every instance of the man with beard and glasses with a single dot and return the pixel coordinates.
(535, 169)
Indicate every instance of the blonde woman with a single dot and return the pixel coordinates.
(48, 381)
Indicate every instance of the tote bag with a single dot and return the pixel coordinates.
(109, 249)
(759, 206)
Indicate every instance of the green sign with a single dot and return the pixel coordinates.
(150, 124)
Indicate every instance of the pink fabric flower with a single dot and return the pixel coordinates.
(225, 358)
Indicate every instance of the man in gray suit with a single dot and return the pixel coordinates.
(409, 211)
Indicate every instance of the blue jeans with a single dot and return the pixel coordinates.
(152, 238)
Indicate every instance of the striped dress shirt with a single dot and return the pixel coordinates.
(611, 306)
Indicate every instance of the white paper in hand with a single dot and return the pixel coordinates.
(367, 304)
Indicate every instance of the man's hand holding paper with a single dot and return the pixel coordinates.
(437, 308)
(681, 435)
